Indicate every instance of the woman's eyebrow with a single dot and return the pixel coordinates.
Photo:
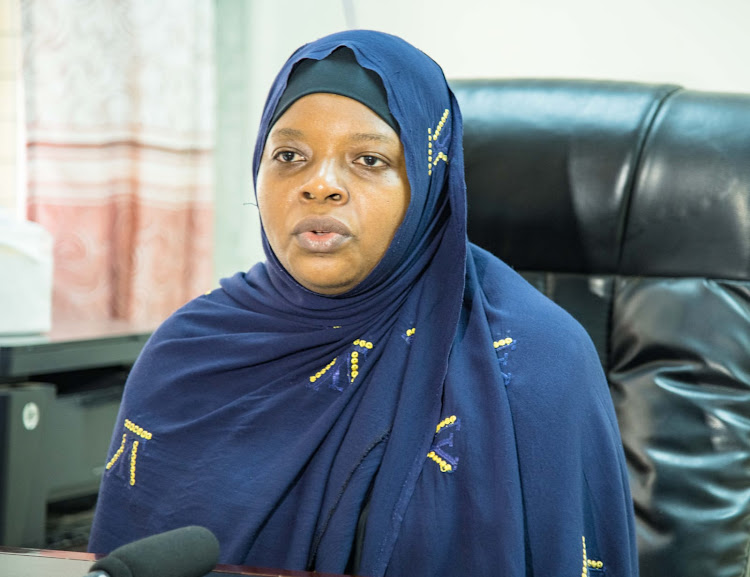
(357, 136)
(372, 136)
(288, 133)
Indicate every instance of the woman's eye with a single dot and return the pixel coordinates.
(369, 160)
(287, 156)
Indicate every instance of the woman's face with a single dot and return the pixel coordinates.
(332, 190)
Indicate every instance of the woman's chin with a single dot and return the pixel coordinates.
(328, 289)
(326, 282)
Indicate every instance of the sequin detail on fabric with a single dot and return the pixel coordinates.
(322, 371)
(133, 457)
(140, 431)
(337, 375)
(119, 452)
(503, 347)
(437, 147)
(357, 355)
(591, 567)
(442, 441)
(141, 436)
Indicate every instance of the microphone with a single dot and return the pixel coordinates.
(186, 552)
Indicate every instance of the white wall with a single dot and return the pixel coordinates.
(700, 44)
(703, 44)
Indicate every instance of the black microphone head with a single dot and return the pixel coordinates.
(111, 566)
(186, 552)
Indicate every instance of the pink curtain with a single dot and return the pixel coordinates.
(119, 115)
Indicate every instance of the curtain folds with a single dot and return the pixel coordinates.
(119, 115)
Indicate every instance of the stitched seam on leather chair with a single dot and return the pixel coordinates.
(643, 137)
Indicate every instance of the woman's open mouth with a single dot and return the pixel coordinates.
(321, 233)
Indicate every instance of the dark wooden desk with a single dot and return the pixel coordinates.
(71, 347)
(15, 562)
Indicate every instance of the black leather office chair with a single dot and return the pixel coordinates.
(629, 205)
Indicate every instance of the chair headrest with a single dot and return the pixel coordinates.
(608, 177)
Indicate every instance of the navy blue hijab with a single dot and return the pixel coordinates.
(440, 416)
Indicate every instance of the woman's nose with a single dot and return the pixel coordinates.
(326, 183)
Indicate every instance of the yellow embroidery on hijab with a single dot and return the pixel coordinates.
(585, 570)
(119, 452)
(502, 343)
(589, 563)
(339, 373)
(133, 455)
(445, 422)
(442, 442)
(445, 467)
(432, 157)
(354, 359)
(354, 365)
(140, 432)
(322, 371)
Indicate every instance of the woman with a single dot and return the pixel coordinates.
(380, 397)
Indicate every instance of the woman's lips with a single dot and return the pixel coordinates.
(321, 233)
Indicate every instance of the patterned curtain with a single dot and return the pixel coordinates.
(119, 113)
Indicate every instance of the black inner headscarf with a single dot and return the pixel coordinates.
(340, 74)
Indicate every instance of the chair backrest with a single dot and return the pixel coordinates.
(629, 205)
